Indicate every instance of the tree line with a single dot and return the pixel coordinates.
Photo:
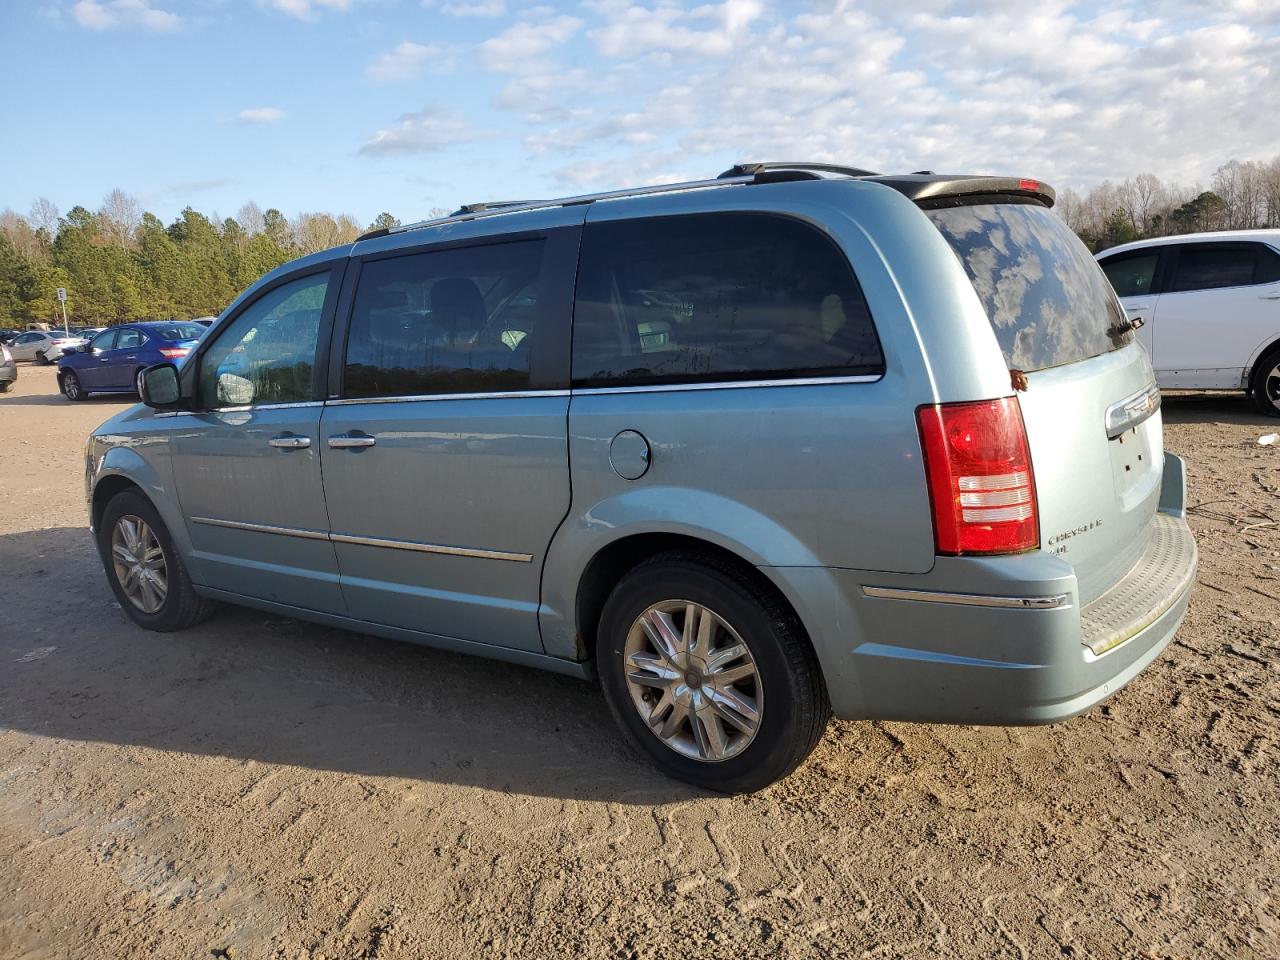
(120, 263)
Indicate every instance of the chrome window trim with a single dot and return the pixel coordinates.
(410, 545)
(1055, 602)
(729, 384)
(245, 409)
(263, 528)
(415, 397)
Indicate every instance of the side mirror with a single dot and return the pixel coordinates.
(68, 351)
(84, 348)
(160, 388)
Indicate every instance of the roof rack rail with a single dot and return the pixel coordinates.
(476, 211)
(801, 167)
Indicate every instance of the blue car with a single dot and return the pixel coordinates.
(113, 361)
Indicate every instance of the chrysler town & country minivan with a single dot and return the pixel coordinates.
(796, 441)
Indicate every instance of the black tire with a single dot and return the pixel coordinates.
(72, 389)
(5, 385)
(137, 381)
(1264, 387)
(795, 707)
(182, 606)
(41, 359)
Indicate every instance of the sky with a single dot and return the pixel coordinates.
(361, 106)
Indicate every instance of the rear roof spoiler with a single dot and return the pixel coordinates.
(924, 187)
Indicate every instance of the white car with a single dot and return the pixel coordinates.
(1209, 307)
(37, 345)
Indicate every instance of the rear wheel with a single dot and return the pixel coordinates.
(709, 675)
(5, 385)
(144, 569)
(41, 359)
(71, 388)
(1266, 384)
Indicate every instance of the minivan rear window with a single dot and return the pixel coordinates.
(1046, 297)
(716, 297)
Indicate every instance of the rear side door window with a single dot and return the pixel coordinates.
(1216, 266)
(129, 340)
(717, 297)
(448, 321)
(268, 353)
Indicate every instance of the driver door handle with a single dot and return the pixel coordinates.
(347, 441)
(290, 442)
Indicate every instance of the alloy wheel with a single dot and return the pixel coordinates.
(1271, 386)
(71, 386)
(693, 680)
(139, 563)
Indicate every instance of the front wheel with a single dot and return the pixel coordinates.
(1266, 385)
(143, 567)
(71, 388)
(709, 675)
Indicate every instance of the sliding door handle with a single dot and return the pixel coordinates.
(290, 442)
(350, 441)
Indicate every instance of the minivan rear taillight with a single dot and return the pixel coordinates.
(980, 481)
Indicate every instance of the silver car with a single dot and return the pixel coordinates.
(795, 441)
(8, 368)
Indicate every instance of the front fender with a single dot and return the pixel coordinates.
(756, 538)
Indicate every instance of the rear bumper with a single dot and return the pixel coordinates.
(1003, 640)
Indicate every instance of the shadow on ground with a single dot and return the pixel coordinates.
(1189, 407)
(252, 686)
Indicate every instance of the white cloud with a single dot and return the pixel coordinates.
(104, 14)
(428, 130)
(525, 40)
(306, 9)
(260, 115)
(476, 8)
(407, 60)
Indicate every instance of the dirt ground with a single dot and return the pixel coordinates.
(261, 788)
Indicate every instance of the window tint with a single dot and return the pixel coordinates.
(104, 340)
(180, 331)
(716, 297)
(1206, 268)
(461, 320)
(1132, 276)
(1048, 301)
(268, 354)
(129, 340)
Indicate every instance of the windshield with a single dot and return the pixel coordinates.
(1046, 297)
(180, 331)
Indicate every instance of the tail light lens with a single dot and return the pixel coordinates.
(173, 353)
(980, 481)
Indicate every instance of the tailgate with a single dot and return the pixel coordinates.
(1097, 495)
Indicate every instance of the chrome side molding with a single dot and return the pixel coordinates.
(411, 545)
(1054, 602)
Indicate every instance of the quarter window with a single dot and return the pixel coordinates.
(711, 297)
(1211, 267)
(268, 353)
(1132, 276)
(460, 320)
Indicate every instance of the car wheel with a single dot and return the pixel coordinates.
(137, 383)
(41, 359)
(709, 675)
(5, 385)
(1266, 384)
(71, 388)
(144, 568)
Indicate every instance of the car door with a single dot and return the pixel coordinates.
(1214, 313)
(1135, 275)
(122, 361)
(247, 461)
(445, 444)
(24, 347)
(90, 364)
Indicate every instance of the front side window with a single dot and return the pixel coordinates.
(268, 354)
(1208, 268)
(103, 341)
(1132, 276)
(460, 320)
(706, 297)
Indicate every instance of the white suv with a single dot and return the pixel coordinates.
(1209, 305)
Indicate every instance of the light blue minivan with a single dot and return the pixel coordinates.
(794, 441)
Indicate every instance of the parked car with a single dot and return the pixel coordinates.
(810, 486)
(113, 360)
(7, 334)
(35, 345)
(1209, 308)
(8, 369)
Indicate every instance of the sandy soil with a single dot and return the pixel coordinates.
(260, 787)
